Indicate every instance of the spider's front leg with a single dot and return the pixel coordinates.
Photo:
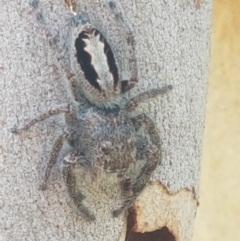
(152, 155)
(69, 177)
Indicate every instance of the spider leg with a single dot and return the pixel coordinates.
(128, 82)
(62, 43)
(58, 143)
(40, 118)
(69, 178)
(52, 161)
(131, 189)
(135, 101)
(143, 119)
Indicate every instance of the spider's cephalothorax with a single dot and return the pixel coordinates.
(104, 133)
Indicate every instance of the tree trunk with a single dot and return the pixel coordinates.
(172, 47)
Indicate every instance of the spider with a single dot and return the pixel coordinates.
(102, 129)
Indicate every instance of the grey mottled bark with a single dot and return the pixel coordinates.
(172, 39)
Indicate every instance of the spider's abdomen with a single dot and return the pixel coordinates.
(98, 64)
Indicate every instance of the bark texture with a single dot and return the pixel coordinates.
(172, 47)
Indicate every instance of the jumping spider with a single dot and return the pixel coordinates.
(103, 131)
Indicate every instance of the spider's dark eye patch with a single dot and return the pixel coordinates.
(124, 86)
(84, 59)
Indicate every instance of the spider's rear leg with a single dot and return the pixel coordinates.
(135, 101)
(129, 65)
(53, 158)
(132, 190)
(118, 13)
(152, 155)
(69, 178)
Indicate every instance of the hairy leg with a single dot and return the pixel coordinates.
(131, 189)
(58, 143)
(40, 118)
(135, 101)
(130, 63)
(52, 160)
(61, 42)
(69, 178)
(143, 120)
